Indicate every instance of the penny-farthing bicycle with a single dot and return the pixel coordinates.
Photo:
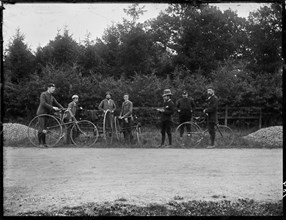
(103, 121)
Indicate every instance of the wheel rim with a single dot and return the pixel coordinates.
(108, 127)
(84, 134)
(53, 130)
(191, 135)
(224, 136)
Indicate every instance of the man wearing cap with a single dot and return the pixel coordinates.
(46, 107)
(211, 111)
(186, 107)
(126, 116)
(70, 113)
(166, 113)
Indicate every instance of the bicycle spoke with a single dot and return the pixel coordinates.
(224, 136)
(52, 130)
(84, 134)
(188, 135)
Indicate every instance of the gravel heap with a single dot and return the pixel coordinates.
(270, 136)
(14, 132)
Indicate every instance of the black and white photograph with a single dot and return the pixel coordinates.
(142, 108)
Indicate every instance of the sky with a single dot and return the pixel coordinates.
(40, 22)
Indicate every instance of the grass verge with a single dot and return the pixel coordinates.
(242, 207)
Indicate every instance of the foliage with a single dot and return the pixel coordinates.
(187, 47)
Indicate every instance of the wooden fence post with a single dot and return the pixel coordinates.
(225, 115)
(260, 118)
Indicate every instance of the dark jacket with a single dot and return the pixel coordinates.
(73, 107)
(169, 108)
(185, 105)
(46, 103)
(127, 108)
(104, 105)
(211, 109)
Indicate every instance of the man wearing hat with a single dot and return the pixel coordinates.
(46, 107)
(211, 111)
(70, 113)
(186, 107)
(166, 113)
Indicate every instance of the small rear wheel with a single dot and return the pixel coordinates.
(139, 134)
(84, 133)
(51, 134)
(188, 135)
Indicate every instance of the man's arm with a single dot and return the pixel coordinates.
(170, 108)
(43, 101)
(114, 106)
(56, 102)
(212, 106)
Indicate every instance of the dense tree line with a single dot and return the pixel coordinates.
(184, 47)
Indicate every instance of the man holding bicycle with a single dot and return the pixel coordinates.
(70, 114)
(46, 107)
(186, 107)
(211, 111)
(126, 116)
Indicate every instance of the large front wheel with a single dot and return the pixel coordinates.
(188, 135)
(84, 133)
(50, 133)
(108, 127)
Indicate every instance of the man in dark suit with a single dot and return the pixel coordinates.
(166, 117)
(46, 107)
(211, 111)
(186, 107)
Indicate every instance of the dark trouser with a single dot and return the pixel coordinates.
(166, 128)
(211, 128)
(184, 118)
(68, 137)
(126, 126)
(42, 125)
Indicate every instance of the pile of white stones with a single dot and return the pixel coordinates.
(14, 132)
(270, 136)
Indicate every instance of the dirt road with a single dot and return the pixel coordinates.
(47, 179)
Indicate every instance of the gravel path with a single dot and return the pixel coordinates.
(47, 179)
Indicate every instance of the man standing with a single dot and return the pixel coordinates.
(166, 121)
(70, 114)
(186, 107)
(45, 107)
(107, 103)
(211, 111)
(126, 116)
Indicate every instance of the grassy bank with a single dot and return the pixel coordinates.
(151, 138)
(242, 207)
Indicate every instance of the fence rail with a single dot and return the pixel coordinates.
(226, 113)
